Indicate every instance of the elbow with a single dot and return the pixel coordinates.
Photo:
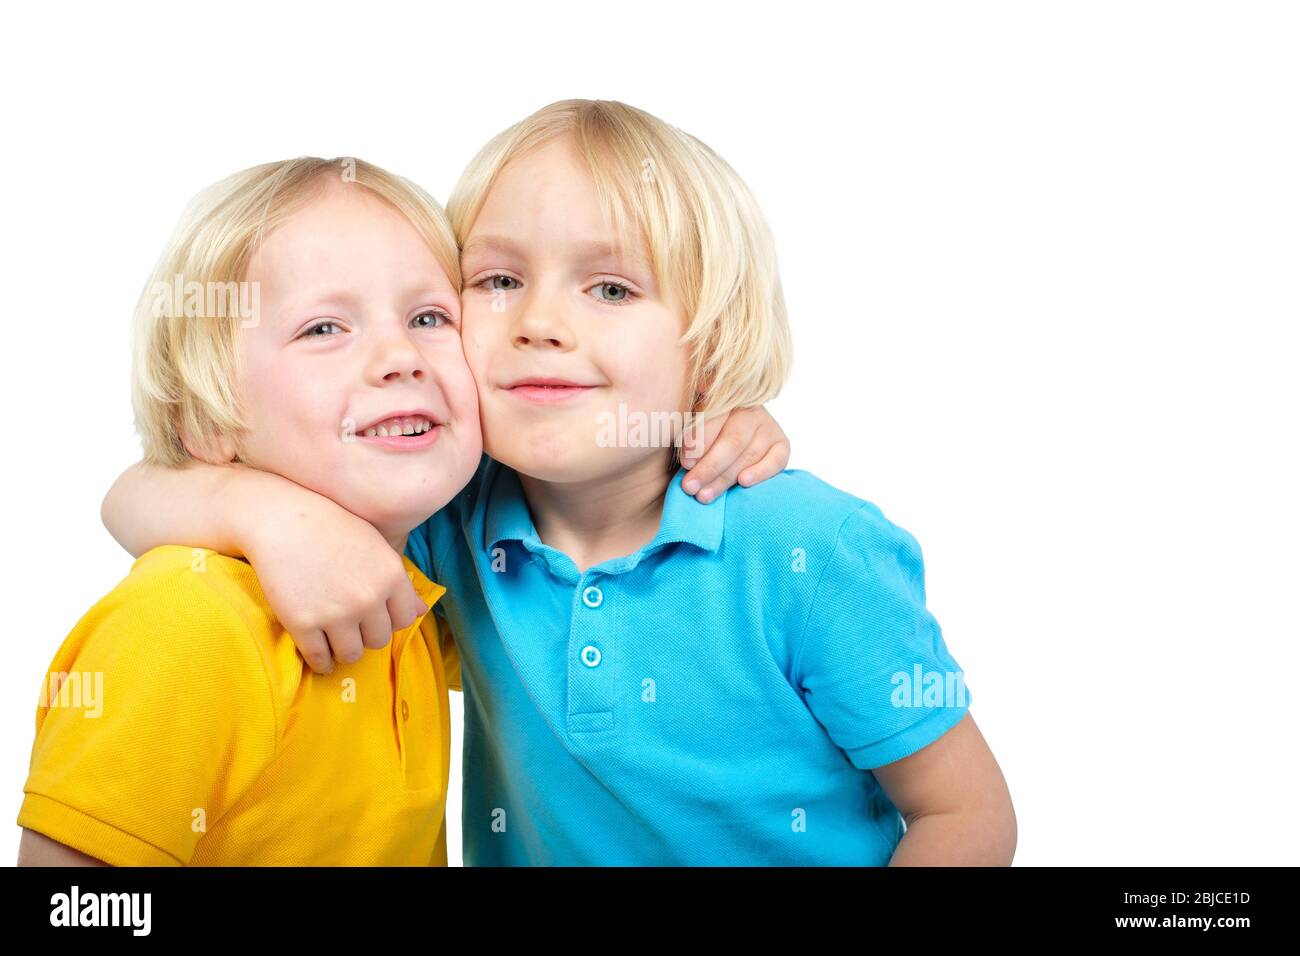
(111, 510)
(1009, 834)
(1001, 833)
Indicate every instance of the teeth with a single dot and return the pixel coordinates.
(399, 426)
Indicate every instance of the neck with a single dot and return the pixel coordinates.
(608, 517)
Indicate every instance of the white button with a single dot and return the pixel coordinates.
(592, 596)
(591, 655)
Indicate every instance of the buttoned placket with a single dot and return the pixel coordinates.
(595, 616)
(412, 726)
(591, 656)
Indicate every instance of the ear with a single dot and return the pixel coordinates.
(215, 449)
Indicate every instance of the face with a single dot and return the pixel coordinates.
(353, 382)
(560, 331)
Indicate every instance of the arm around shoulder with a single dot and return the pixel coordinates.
(151, 505)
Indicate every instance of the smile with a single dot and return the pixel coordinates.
(401, 433)
(405, 425)
(545, 394)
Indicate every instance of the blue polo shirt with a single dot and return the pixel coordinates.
(720, 697)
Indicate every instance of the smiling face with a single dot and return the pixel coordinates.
(358, 327)
(559, 331)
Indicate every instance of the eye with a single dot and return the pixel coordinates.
(615, 293)
(317, 327)
(492, 281)
(433, 315)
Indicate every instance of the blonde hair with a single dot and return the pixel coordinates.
(706, 237)
(184, 375)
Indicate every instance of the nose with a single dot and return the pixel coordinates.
(395, 358)
(539, 321)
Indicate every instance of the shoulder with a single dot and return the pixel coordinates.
(173, 585)
(185, 616)
(801, 503)
(842, 543)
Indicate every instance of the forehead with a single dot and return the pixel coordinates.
(348, 232)
(547, 199)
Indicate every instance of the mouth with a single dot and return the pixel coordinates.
(403, 431)
(546, 391)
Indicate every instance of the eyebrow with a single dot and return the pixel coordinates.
(346, 299)
(583, 248)
(318, 298)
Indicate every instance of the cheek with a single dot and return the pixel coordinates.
(286, 411)
(651, 366)
(462, 392)
(476, 345)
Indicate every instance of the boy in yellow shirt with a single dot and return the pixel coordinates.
(304, 323)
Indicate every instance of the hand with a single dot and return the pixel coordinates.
(748, 446)
(332, 580)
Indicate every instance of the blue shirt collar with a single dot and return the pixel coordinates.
(684, 519)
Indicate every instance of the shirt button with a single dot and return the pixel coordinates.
(592, 596)
(406, 711)
(591, 655)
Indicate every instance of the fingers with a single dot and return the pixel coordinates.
(773, 463)
(408, 603)
(715, 469)
(345, 642)
(315, 650)
(369, 625)
(748, 458)
(377, 628)
(700, 438)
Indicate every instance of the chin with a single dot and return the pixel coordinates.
(592, 464)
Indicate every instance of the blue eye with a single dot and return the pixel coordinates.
(615, 293)
(432, 314)
(310, 331)
(492, 283)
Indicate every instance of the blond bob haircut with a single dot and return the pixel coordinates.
(184, 370)
(706, 237)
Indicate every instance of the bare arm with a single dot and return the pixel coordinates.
(334, 601)
(150, 506)
(955, 801)
(36, 849)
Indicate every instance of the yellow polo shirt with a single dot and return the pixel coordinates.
(178, 725)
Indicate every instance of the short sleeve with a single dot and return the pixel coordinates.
(160, 718)
(872, 663)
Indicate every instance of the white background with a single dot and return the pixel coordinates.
(1041, 260)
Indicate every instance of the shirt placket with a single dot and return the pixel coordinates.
(416, 694)
(591, 655)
